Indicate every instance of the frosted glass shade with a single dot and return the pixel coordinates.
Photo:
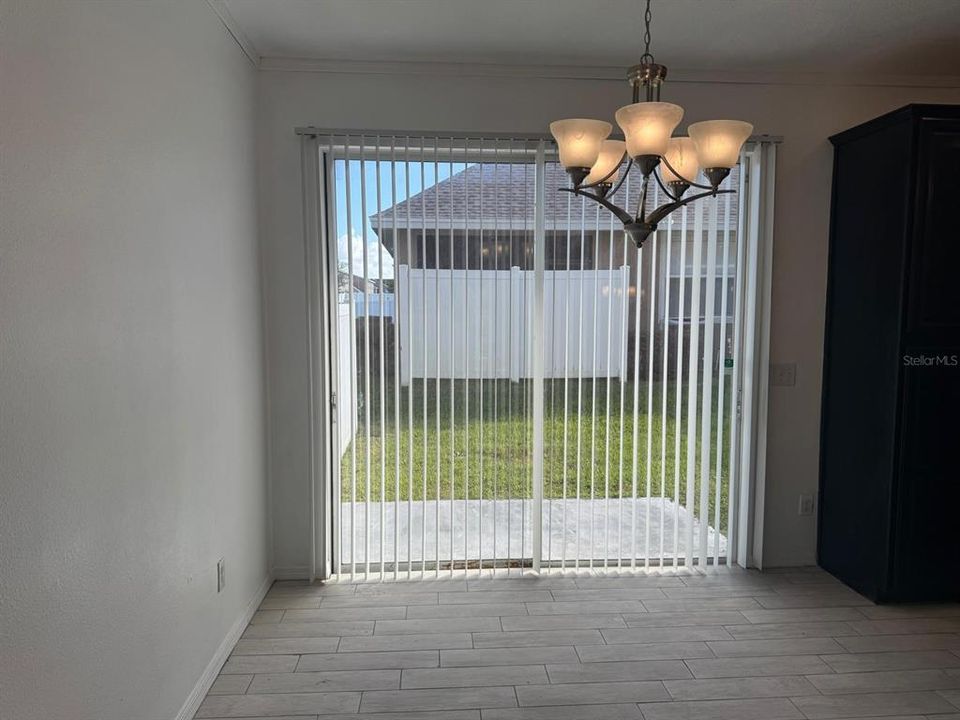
(579, 140)
(648, 126)
(718, 142)
(682, 156)
(611, 154)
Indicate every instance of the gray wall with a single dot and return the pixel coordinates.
(805, 113)
(131, 377)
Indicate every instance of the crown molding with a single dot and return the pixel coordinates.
(233, 27)
(611, 74)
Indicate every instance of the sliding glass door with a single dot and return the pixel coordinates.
(639, 397)
(513, 383)
(434, 252)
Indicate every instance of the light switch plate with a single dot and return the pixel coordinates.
(783, 374)
(806, 504)
(221, 575)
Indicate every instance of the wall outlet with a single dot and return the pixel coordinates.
(783, 374)
(221, 575)
(805, 506)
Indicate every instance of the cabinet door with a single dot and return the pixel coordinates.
(933, 314)
(927, 498)
(927, 501)
(871, 200)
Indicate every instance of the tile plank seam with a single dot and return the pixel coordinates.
(808, 608)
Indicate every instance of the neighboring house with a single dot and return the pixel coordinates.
(358, 283)
(367, 296)
(482, 218)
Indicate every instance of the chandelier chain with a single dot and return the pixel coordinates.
(647, 57)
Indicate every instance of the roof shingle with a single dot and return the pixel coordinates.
(502, 195)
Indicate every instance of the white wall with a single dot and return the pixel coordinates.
(805, 113)
(131, 376)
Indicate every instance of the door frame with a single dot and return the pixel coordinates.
(745, 536)
(754, 298)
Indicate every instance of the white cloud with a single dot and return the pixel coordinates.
(374, 250)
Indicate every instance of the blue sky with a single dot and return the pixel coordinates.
(356, 215)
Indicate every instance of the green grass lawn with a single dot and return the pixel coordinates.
(491, 431)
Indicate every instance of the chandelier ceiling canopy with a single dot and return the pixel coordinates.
(593, 161)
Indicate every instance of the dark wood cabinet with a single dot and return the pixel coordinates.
(889, 506)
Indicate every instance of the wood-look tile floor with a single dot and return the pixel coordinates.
(729, 644)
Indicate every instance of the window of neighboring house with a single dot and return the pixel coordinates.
(503, 250)
(500, 251)
(581, 251)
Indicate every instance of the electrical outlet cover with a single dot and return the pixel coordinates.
(783, 374)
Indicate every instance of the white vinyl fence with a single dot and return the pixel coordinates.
(372, 304)
(474, 323)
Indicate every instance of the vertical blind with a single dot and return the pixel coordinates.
(515, 383)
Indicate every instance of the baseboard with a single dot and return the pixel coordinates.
(291, 572)
(210, 673)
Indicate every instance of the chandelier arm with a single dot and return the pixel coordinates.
(606, 177)
(691, 183)
(621, 214)
(664, 210)
(664, 187)
(619, 184)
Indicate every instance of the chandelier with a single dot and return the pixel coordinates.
(593, 162)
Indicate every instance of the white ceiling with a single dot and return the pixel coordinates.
(876, 37)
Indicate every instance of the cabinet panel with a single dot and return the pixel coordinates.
(926, 533)
(934, 311)
(890, 432)
(861, 373)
